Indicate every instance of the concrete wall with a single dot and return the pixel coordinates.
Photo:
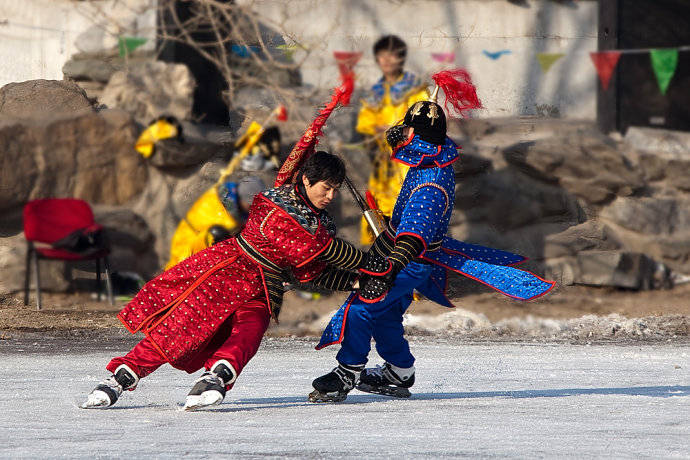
(512, 85)
(37, 37)
(41, 35)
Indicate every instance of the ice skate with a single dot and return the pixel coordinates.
(108, 392)
(387, 380)
(209, 389)
(334, 386)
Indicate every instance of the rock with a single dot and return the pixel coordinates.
(470, 165)
(12, 263)
(151, 89)
(55, 276)
(507, 200)
(173, 153)
(618, 269)
(42, 98)
(87, 155)
(131, 240)
(590, 235)
(589, 167)
(671, 145)
(649, 215)
(100, 66)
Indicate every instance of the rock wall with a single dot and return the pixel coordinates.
(584, 207)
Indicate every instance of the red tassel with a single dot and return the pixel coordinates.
(460, 93)
(371, 201)
(307, 143)
(282, 114)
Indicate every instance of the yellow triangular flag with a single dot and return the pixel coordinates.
(289, 50)
(546, 60)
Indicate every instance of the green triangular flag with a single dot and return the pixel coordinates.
(664, 63)
(546, 60)
(129, 44)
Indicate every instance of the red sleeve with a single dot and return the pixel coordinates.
(309, 271)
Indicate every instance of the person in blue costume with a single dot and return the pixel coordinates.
(414, 253)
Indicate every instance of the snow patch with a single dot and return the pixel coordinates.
(466, 324)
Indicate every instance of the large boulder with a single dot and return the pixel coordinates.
(664, 215)
(88, 155)
(621, 269)
(590, 167)
(151, 89)
(588, 236)
(131, 240)
(42, 98)
(99, 66)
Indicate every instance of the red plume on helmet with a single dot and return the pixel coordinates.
(307, 143)
(459, 90)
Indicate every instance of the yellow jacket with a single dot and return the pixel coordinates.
(385, 107)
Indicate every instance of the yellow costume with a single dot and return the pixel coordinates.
(219, 206)
(384, 108)
(192, 233)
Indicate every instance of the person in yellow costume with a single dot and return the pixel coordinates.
(217, 215)
(387, 103)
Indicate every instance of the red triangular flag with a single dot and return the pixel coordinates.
(346, 60)
(605, 62)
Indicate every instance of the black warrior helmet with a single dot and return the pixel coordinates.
(428, 120)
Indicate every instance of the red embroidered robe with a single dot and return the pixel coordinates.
(183, 308)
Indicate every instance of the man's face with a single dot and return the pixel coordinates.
(321, 193)
(389, 62)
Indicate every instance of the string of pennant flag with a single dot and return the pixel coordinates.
(663, 60)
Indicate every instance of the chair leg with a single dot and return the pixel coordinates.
(98, 278)
(27, 273)
(108, 281)
(34, 256)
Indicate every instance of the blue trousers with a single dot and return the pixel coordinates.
(382, 321)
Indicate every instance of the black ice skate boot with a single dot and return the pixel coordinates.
(107, 392)
(209, 389)
(387, 380)
(334, 386)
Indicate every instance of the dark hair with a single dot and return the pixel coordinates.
(391, 43)
(323, 166)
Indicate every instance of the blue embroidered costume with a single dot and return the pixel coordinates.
(416, 254)
(423, 209)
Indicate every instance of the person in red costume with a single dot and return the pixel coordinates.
(211, 310)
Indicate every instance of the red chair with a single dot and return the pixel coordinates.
(50, 220)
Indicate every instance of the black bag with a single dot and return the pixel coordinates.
(83, 241)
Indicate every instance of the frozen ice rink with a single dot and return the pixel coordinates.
(470, 400)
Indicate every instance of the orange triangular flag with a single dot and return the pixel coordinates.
(605, 62)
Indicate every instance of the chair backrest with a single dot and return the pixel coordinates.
(48, 220)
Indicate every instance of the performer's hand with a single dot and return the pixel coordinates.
(395, 136)
(374, 288)
(374, 264)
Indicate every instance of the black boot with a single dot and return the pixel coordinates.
(387, 380)
(209, 389)
(334, 386)
(108, 392)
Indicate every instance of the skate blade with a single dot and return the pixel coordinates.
(96, 400)
(393, 391)
(317, 397)
(205, 399)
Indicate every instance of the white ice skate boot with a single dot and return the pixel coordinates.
(107, 392)
(387, 380)
(209, 389)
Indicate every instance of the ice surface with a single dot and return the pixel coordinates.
(470, 400)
